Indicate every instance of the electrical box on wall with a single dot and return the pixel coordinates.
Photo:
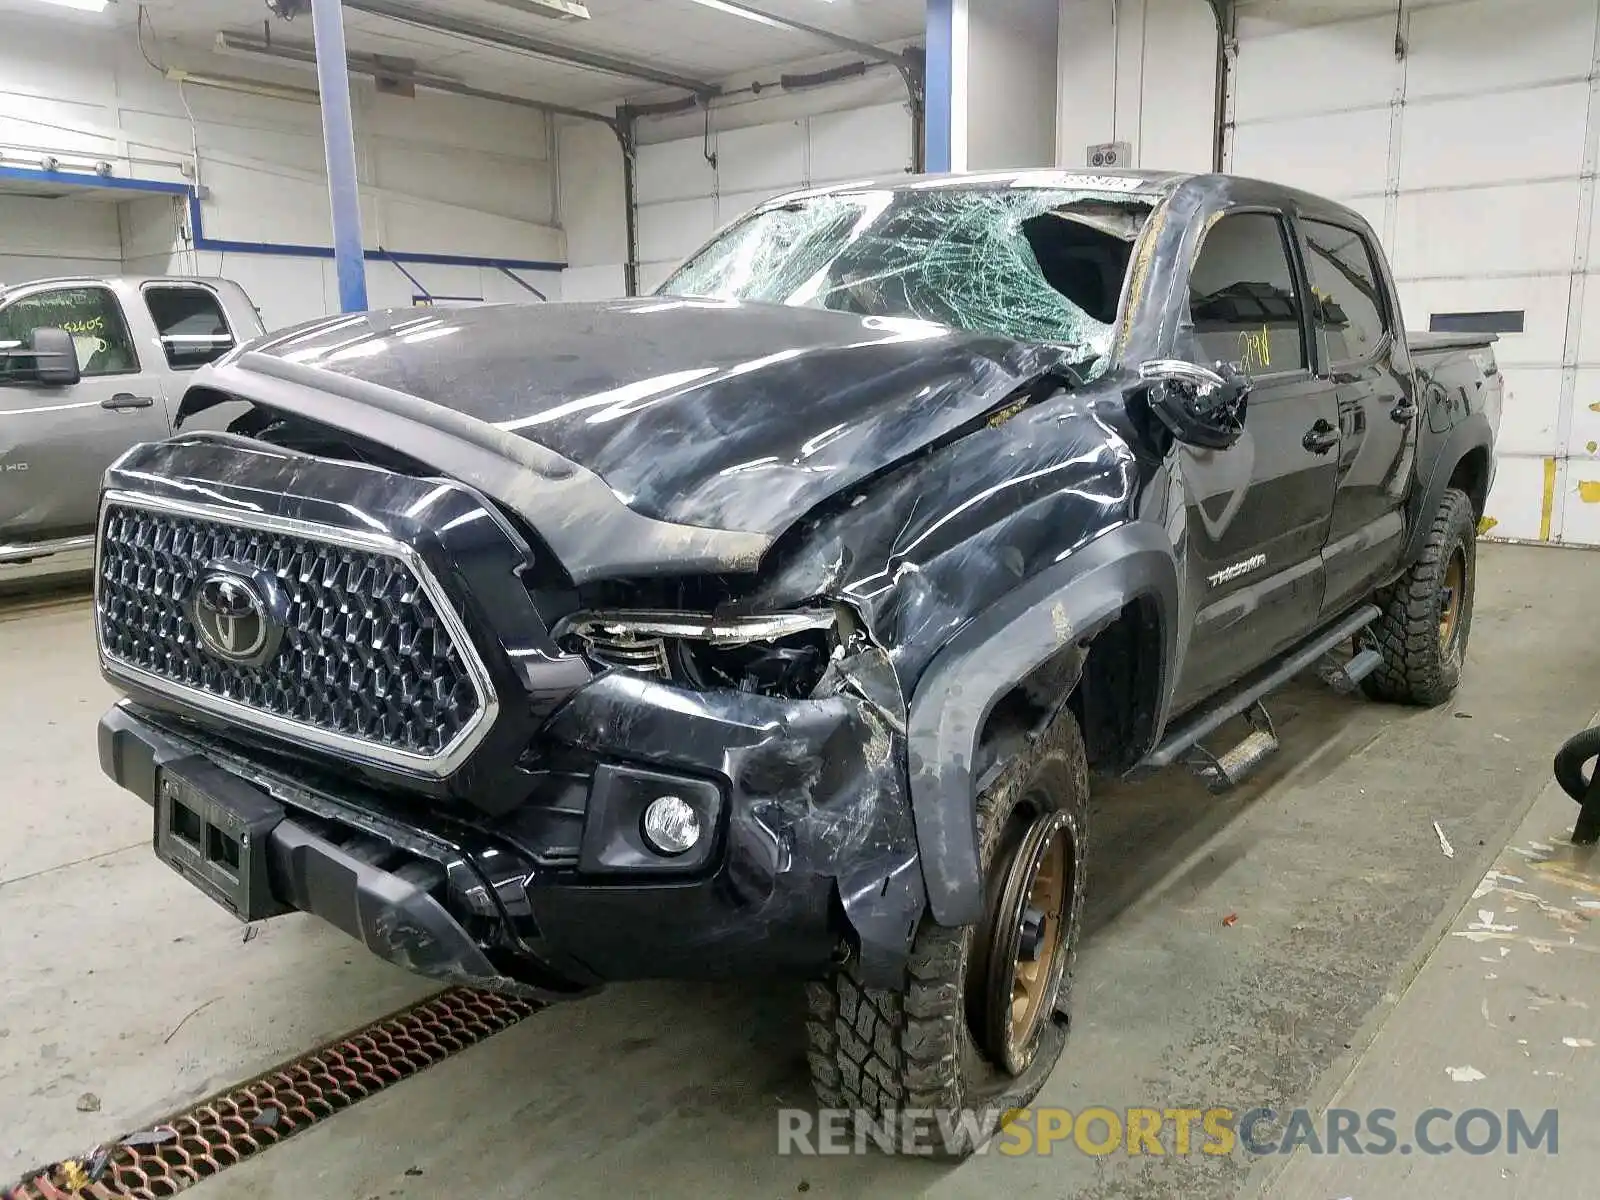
(1110, 154)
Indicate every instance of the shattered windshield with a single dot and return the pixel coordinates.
(1034, 264)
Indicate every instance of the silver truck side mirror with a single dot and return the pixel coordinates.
(48, 357)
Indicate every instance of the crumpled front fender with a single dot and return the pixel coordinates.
(816, 795)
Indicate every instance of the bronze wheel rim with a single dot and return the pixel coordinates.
(1455, 581)
(1028, 952)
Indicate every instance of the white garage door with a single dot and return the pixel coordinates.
(683, 199)
(1471, 147)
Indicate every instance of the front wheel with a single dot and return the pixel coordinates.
(1427, 612)
(981, 1019)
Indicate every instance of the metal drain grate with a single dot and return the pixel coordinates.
(232, 1126)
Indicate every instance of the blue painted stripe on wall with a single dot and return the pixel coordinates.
(202, 242)
(85, 180)
(939, 84)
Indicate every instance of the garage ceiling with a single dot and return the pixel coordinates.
(676, 35)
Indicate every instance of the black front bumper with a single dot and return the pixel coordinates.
(812, 852)
(393, 913)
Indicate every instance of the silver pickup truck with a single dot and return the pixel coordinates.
(88, 368)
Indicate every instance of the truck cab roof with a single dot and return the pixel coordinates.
(112, 281)
(1140, 186)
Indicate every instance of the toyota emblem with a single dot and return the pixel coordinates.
(237, 615)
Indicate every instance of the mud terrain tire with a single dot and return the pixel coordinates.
(913, 1051)
(1427, 613)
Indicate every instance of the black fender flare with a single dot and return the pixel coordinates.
(1471, 434)
(1070, 601)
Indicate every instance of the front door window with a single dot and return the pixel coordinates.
(90, 314)
(1243, 300)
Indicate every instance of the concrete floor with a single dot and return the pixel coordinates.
(123, 982)
(1505, 1015)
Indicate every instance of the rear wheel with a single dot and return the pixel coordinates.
(1427, 612)
(982, 1017)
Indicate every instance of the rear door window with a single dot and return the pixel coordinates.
(194, 330)
(90, 314)
(1347, 298)
(1243, 300)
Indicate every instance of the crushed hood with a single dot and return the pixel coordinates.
(721, 415)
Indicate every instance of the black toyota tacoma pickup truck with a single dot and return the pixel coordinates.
(774, 623)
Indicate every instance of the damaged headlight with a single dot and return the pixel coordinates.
(776, 654)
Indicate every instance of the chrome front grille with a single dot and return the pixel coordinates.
(373, 661)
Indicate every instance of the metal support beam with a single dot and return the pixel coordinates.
(942, 108)
(511, 39)
(523, 283)
(339, 141)
(401, 267)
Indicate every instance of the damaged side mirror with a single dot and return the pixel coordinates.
(1200, 406)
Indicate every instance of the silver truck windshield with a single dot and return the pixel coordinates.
(1034, 264)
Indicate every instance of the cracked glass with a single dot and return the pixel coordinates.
(1035, 264)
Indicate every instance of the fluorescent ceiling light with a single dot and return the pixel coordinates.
(80, 5)
(746, 13)
(249, 87)
(734, 9)
(561, 10)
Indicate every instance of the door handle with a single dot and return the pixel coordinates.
(1404, 413)
(1320, 438)
(127, 400)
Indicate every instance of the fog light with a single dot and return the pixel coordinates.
(670, 825)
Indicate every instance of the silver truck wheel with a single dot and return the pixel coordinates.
(982, 1016)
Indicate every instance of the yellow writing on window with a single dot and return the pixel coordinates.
(1255, 349)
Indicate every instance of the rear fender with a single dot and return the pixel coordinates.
(1434, 474)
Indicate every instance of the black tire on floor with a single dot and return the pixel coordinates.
(1422, 655)
(911, 1055)
(1571, 759)
(1579, 750)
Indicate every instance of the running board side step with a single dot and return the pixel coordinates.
(1227, 770)
(1245, 697)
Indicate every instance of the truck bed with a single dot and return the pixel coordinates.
(1459, 374)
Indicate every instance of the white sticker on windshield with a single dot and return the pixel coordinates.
(1100, 183)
